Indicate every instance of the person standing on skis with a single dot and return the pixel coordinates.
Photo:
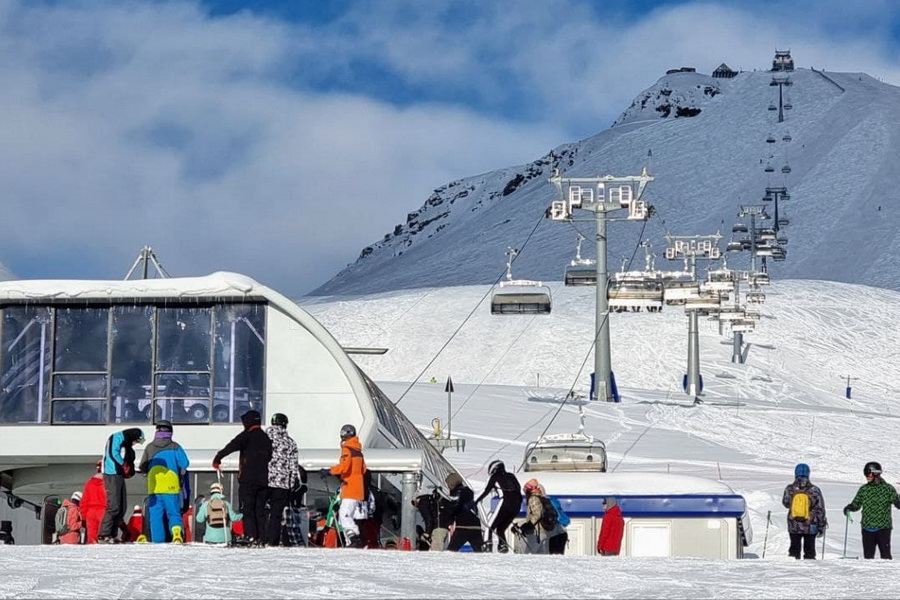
(354, 495)
(255, 447)
(806, 513)
(164, 463)
(875, 498)
(506, 486)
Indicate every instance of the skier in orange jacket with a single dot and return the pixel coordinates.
(352, 469)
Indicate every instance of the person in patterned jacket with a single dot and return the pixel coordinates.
(803, 529)
(284, 475)
(875, 498)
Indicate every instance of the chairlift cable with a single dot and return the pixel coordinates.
(472, 312)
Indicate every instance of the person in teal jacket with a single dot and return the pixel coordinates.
(875, 498)
(217, 533)
(164, 463)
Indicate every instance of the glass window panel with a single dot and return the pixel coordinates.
(182, 385)
(26, 361)
(132, 363)
(79, 411)
(183, 339)
(190, 410)
(239, 360)
(81, 338)
(79, 386)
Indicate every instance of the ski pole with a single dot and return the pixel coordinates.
(823, 542)
(766, 538)
(846, 530)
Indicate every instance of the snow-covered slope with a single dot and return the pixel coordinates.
(844, 224)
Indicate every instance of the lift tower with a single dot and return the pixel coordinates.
(691, 248)
(601, 195)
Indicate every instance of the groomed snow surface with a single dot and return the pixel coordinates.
(785, 405)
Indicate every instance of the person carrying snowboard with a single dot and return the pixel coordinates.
(506, 487)
(806, 513)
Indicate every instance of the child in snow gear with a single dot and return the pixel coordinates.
(609, 543)
(164, 462)
(118, 465)
(69, 521)
(93, 504)
(465, 516)
(255, 447)
(506, 487)
(136, 525)
(283, 476)
(354, 495)
(541, 522)
(875, 498)
(218, 515)
(806, 513)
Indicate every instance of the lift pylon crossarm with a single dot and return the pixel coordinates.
(146, 257)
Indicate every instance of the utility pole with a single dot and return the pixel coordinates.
(848, 390)
(690, 248)
(602, 195)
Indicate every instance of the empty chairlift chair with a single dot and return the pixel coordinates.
(769, 168)
(581, 271)
(520, 296)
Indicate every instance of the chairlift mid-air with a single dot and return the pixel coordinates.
(581, 271)
(520, 296)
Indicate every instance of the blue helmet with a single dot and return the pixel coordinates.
(801, 470)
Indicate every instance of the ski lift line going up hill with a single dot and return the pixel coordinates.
(466, 320)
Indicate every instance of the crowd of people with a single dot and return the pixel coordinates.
(273, 512)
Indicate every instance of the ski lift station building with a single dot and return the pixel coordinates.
(81, 360)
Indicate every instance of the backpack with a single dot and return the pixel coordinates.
(563, 518)
(62, 520)
(800, 507)
(550, 517)
(217, 512)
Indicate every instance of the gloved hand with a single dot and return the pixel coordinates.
(324, 472)
(515, 529)
(847, 509)
(527, 528)
(216, 465)
(128, 470)
(821, 532)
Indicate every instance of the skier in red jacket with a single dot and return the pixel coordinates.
(610, 541)
(93, 504)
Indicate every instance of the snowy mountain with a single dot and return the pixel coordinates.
(708, 140)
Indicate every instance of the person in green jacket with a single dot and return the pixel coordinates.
(218, 525)
(875, 498)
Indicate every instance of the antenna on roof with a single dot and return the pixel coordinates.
(145, 258)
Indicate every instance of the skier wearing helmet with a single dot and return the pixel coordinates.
(806, 513)
(352, 470)
(253, 475)
(506, 488)
(284, 475)
(875, 498)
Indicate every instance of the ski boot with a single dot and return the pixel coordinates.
(177, 538)
(141, 539)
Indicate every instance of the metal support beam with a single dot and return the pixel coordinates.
(407, 510)
(602, 352)
(693, 364)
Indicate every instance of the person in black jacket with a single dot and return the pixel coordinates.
(253, 473)
(468, 525)
(508, 489)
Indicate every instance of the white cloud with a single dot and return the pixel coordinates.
(128, 123)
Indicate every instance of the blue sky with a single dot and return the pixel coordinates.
(279, 138)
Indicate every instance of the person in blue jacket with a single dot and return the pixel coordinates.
(165, 464)
(118, 465)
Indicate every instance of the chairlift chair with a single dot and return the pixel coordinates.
(581, 271)
(786, 169)
(520, 296)
(786, 137)
(769, 168)
(754, 297)
(770, 139)
(566, 452)
(677, 292)
(783, 221)
(788, 105)
(772, 106)
(734, 246)
(742, 326)
(782, 241)
(627, 291)
(739, 228)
